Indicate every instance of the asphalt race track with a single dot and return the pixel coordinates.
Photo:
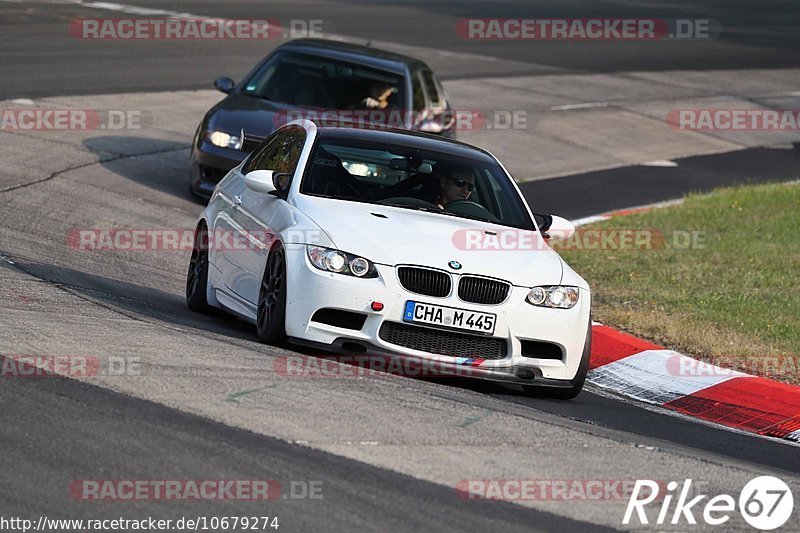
(757, 35)
(205, 400)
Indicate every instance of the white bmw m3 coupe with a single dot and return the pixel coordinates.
(397, 244)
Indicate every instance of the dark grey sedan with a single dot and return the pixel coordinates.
(315, 77)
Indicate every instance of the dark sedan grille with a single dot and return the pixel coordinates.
(482, 290)
(425, 281)
(443, 342)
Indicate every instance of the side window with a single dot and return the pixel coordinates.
(259, 155)
(287, 152)
(280, 153)
(418, 93)
(431, 87)
(258, 82)
(442, 94)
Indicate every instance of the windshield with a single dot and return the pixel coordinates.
(412, 178)
(309, 81)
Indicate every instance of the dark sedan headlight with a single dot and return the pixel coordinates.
(331, 260)
(223, 140)
(556, 296)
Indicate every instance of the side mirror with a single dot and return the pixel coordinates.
(224, 84)
(268, 182)
(560, 229)
(281, 181)
(260, 181)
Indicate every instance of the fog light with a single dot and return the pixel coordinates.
(525, 373)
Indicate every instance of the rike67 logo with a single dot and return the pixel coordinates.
(765, 503)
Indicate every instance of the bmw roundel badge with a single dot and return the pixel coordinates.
(455, 265)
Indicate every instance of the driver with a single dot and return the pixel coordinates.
(455, 183)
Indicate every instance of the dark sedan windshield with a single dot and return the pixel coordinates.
(308, 81)
(404, 176)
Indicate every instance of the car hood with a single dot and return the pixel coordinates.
(253, 115)
(406, 236)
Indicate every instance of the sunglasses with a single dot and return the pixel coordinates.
(462, 183)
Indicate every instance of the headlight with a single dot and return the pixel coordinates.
(359, 266)
(223, 140)
(557, 296)
(331, 260)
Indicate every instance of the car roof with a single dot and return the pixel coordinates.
(365, 55)
(416, 139)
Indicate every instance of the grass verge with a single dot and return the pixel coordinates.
(719, 279)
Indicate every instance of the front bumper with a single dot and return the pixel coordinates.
(310, 289)
(414, 365)
(209, 164)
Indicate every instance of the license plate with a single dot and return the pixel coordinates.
(449, 317)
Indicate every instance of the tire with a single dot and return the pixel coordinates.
(197, 277)
(271, 314)
(575, 384)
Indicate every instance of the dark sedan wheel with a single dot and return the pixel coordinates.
(197, 278)
(271, 317)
